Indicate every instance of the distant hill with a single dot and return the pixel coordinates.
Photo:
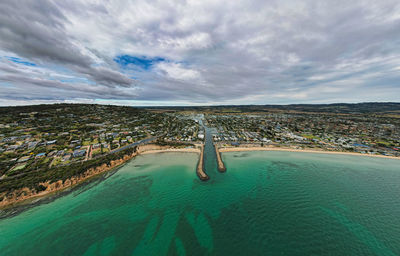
(340, 108)
(65, 106)
(370, 107)
(344, 108)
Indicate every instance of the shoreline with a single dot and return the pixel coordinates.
(36, 200)
(180, 150)
(238, 149)
(61, 186)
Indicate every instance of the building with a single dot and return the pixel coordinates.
(40, 155)
(24, 159)
(79, 153)
(51, 142)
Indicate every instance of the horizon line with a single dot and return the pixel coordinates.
(223, 105)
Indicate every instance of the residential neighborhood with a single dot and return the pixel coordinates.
(355, 133)
(58, 135)
(44, 137)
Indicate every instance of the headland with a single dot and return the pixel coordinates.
(27, 195)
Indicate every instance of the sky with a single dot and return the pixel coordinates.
(203, 52)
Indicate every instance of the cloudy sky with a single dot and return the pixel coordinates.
(201, 52)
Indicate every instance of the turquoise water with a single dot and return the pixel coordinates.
(267, 203)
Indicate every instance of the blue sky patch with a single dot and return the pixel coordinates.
(142, 62)
(6, 84)
(21, 61)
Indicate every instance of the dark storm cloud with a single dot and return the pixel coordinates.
(35, 29)
(29, 84)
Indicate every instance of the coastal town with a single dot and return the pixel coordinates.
(53, 142)
(61, 135)
(362, 134)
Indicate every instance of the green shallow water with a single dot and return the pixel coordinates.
(268, 203)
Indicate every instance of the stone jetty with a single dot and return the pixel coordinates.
(200, 166)
(221, 165)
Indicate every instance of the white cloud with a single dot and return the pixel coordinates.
(214, 51)
(178, 72)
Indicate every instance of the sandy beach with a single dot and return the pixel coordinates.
(60, 185)
(182, 150)
(152, 149)
(236, 149)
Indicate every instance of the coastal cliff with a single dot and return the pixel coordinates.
(25, 193)
(40, 189)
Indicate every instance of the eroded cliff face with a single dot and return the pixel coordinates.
(22, 194)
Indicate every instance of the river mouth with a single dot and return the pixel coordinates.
(212, 165)
(210, 159)
(291, 203)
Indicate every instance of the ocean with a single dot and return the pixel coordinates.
(267, 203)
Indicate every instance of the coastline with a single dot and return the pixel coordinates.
(52, 188)
(238, 149)
(153, 148)
(180, 150)
(18, 207)
(55, 187)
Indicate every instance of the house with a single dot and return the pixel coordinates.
(79, 153)
(52, 153)
(32, 144)
(24, 159)
(13, 147)
(40, 155)
(66, 157)
(95, 146)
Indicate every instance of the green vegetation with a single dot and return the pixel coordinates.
(56, 141)
(53, 142)
(33, 178)
(310, 136)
